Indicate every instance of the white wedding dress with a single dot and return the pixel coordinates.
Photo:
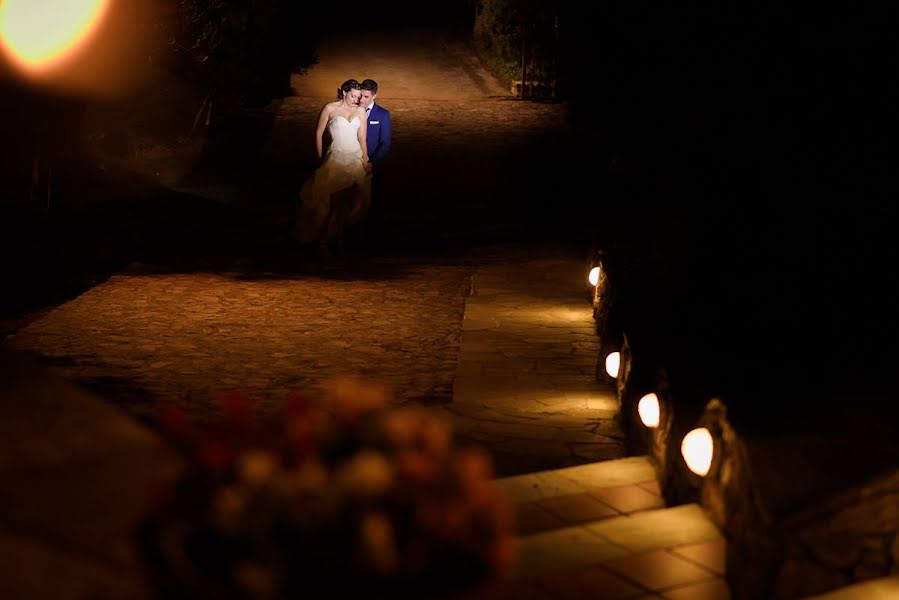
(341, 169)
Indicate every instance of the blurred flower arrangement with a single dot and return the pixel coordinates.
(333, 496)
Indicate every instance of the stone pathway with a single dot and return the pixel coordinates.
(526, 383)
(411, 63)
(144, 338)
(884, 588)
(522, 384)
(597, 531)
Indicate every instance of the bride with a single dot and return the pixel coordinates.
(339, 192)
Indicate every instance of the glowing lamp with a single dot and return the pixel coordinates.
(697, 449)
(648, 409)
(594, 276)
(613, 364)
(40, 35)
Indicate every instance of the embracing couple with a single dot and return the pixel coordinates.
(340, 192)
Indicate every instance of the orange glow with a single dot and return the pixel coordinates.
(697, 450)
(40, 34)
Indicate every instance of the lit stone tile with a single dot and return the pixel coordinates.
(520, 431)
(886, 588)
(511, 590)
(578, 508)
(567, 548)
(714, 589)
(611, 473)
(602, 403)
(532, 518)
(573, 480)
(658, 570)
(651, 487)
(711, 555)
(537, 486)
(589, 582)
(628, 498)
(657, 529)
(472, 324)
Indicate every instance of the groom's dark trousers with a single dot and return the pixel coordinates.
(378, 142)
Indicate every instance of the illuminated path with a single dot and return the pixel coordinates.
(465, 154)
(521, 383)
(600, 531)
(526, 383)
(408, 65)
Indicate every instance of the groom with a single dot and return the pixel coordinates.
(378, 138)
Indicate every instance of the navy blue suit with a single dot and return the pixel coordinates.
(378, 134)
(378, 142)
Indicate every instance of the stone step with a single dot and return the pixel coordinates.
(601, 531)
(674, 553)
(562, 498)
(884, 588)
(614, 538)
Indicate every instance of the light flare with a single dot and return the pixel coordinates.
(39, 35)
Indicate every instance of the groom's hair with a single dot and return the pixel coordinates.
(371, 85)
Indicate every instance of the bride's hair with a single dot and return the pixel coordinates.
(349, 84)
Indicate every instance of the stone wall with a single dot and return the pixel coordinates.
(827, 543)
(849, 538)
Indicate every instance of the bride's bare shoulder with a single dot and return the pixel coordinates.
(329, 107)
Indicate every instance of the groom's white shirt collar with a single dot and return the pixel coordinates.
(370, 108)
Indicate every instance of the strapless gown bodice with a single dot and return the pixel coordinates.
(341, 169)
(345, 135)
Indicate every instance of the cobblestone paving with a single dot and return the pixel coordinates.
(145, 338)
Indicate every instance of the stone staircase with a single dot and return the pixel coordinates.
(601, 531)
(883, 588)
